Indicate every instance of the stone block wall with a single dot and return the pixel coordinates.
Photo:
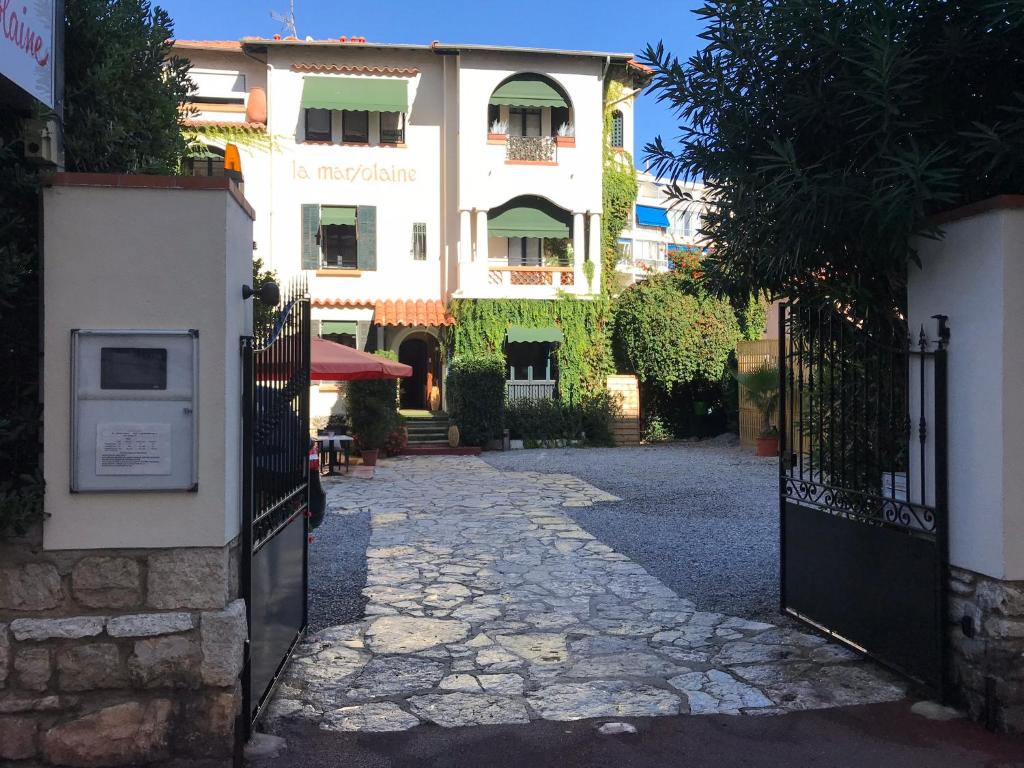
(987, 648)
(119, 657)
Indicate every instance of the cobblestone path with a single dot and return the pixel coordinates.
(488, 605)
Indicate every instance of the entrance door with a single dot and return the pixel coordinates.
(415, 352)
(863, 486)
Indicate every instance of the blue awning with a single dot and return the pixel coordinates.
(649, 216)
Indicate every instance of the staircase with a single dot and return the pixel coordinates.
(428, 435)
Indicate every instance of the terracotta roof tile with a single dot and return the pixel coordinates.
(209, 45)
(354, 303)
(255, 127)
(352, 70)
(638, 66)
(409, 312)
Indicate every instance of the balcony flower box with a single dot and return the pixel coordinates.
(565, 141)
(496, 138)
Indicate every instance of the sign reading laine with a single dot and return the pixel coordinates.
(26, 46)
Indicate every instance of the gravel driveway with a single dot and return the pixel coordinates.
(701, 517)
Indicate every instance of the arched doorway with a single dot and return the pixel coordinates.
(421, 391)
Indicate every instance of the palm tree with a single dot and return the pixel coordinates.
(762, 388)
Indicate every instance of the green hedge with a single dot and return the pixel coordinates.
(590, 420)
(373, 409)
(476, 397)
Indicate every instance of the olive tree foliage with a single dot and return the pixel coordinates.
(829, 131)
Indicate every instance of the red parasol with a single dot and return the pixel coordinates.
(336, 362)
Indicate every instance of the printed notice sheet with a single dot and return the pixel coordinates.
(133, 449)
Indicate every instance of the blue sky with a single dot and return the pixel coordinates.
(599, 25)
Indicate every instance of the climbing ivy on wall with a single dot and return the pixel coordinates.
(619, 190)
(584, 358)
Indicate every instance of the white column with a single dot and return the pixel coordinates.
(465, 237)
(465, 252)
(481, 238)
(594, 252)
(579, 251)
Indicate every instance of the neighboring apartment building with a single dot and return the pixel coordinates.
(660, 228)
(398, 177)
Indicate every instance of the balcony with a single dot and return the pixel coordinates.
(557, 277)
(530, 149)
(518, 389)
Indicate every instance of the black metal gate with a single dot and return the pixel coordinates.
(275, 498)
(864, 535)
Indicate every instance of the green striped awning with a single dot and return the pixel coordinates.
(519, 334)
(528, 91)
(355, 93)
(526, 218)
(330, 327)
(330, 214)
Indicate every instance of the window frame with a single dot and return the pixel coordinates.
(524, 112)
(351, 263)
(617, 134)
(318, 135)
(400, 132)
(419, 241)
(521, 258)
(346, 137)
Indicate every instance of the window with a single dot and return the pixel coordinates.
(524, 121)
(318, 125)
(211, 165)
(419, 242)
(355, 127)
(214, 87)
(524, 251)
(339, 236)
(616, 131)
(559, 115)
(392, 128)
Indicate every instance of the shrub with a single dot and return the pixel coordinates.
(590, 420)
(669, 332)
(373, 411)
(476, 397)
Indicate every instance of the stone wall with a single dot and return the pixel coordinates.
(119, 657)
(987, 648)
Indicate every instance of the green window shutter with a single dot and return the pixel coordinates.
(310, 236)
(366, 232)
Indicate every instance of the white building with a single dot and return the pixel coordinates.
(661, 227)
(398, 177)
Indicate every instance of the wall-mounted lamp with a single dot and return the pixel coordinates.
(268, 294)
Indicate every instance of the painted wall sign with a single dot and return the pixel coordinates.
(374, 172)
(26, 46)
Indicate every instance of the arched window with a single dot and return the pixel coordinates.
(616, 131)
(530, 104)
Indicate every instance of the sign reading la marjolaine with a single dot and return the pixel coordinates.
(26, 46)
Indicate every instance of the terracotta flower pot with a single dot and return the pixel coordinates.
(565, 141)
(370, 456)
(768, 446)
(497, 138)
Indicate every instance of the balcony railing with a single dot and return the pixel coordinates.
(531, 149)
(554, 276)
(530, 390)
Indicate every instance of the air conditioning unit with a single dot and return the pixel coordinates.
(41, 145)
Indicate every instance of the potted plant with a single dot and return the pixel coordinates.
(762, 390)
(373, 415)
(566, 136)
(498, 132)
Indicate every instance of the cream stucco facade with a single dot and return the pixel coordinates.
(426, 185)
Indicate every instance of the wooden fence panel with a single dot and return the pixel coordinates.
(751, 355)
(627, 426)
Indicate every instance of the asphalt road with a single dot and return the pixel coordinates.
(875, 736)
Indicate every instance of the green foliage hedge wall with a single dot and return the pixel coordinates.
(584, 359)
(476, 396)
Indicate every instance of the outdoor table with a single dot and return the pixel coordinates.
(329, 447)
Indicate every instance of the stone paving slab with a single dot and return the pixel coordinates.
(489, 605)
